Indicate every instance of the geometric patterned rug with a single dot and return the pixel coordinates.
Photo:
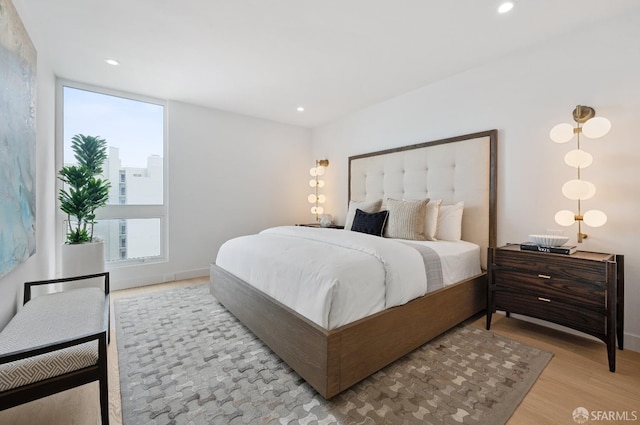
(185, 360)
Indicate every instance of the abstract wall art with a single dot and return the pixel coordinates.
(17, 141)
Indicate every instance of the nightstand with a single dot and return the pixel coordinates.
(582, 291)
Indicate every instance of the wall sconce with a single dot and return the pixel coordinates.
(316, 198)
(578, 189)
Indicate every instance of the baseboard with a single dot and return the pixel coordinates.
(631, 342)
(191, 274)
(118, 284)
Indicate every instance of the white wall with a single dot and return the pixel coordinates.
(523, 96)
(228, 175)
(40, 265)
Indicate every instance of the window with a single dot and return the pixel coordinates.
(133, 223)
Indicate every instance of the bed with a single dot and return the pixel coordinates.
(332, 356)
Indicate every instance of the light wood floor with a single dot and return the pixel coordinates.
(577, 376)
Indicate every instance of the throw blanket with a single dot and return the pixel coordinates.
(332, 277)
(432, 266)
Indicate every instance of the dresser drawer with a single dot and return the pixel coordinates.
(583, 291)
(556, 289)
(584, 320)
(552, 265)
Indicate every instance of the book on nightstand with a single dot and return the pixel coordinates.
(530, 246)
(331, 226)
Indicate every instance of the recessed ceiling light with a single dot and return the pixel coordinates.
(112, 62)
(505, 7)
(300, 109)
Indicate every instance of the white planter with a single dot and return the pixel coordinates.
(81, 259)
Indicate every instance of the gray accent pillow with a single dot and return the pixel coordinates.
(406, 219)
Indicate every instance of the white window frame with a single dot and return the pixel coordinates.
(114, 212)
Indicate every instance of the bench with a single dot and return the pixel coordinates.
(57, 341)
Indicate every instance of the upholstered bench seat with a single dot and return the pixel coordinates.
(48, 319)
(57, 341)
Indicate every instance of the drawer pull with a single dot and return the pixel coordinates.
(544, 276)
(547, 300)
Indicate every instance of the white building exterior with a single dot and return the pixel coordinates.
(132, 238)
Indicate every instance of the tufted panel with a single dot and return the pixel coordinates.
(457, 169)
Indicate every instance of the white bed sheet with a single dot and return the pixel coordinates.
(335, 277)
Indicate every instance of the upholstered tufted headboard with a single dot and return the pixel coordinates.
(457, 169)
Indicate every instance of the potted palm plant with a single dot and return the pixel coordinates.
(81, 196)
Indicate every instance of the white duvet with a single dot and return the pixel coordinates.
(332, 277)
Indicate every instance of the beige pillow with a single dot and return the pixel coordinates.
(366, 206)
(406, 219)
(450, 222)
(431, 219)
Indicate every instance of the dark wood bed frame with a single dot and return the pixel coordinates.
(333, 360)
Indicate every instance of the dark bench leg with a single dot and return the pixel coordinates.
(104, 401)
(103, 381)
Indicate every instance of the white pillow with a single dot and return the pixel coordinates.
(406, 219)
(431, 219)
(450, 222)
(366, 206)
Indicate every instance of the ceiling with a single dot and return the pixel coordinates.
(264, 58)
